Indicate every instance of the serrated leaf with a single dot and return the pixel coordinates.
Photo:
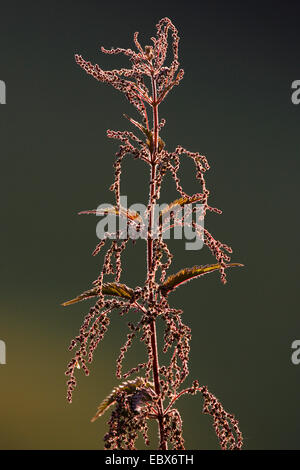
(179, 202)
(130, 387)
(110, 288)
(129, 214)
(185, 275)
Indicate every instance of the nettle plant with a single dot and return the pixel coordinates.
(152, 392)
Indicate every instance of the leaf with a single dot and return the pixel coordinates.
(179, 202)
(129, 214)
(148, 134)
(135, 123)
(129, 387)
(119, 290)
(150, 142)
(110, 288)
(185, 275)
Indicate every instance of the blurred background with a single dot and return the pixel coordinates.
(234, 106)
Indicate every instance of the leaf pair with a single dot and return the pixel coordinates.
(171, 283)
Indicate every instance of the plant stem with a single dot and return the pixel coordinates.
(150, 265)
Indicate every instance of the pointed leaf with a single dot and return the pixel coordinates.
(110, 288)
(119, 290)
(187, 274)
(135, 123)
(129, 214)
(130, 387)
(179, 202)
(148, 134)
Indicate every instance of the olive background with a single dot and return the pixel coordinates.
(234, 106)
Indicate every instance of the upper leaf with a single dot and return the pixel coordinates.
(179, 203)
(148, 134)
(187, 274)
(129, 214)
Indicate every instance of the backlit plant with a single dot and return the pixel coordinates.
(149, 390)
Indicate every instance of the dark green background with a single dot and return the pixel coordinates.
(233, 105)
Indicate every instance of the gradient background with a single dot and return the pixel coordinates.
(234, 105)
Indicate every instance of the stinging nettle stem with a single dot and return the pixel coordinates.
(163, 442)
